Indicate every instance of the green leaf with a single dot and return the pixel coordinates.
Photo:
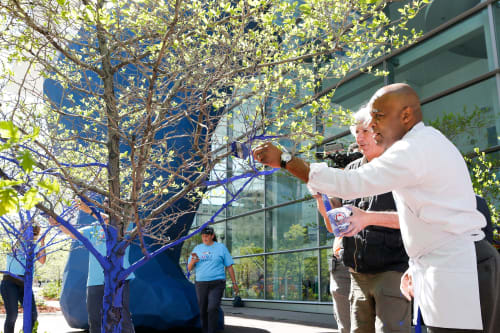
(8, 201)
(305, 8)
(30, 199)
(9, 131)
(50, 187)
(27, 161)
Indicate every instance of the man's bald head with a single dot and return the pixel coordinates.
(395, 109)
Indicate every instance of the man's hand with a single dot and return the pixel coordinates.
(406, 286)
(358, 221)
(268, 154)
(235, 288)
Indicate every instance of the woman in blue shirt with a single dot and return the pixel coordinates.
(210, 260)
(12, 289)
(95, 279)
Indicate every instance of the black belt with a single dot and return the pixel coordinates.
(10, 278)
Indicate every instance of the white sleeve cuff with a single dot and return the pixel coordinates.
(314, 180)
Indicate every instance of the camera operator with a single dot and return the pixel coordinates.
(373, 252)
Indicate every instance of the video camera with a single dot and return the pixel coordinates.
(340, 158)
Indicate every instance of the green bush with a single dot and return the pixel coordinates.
(52, 290)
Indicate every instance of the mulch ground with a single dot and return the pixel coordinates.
(40, 308)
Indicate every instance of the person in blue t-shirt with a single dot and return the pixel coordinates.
(95, 279)
(12, 289)
(210, 260)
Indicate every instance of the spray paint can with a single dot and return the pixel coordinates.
(337, 217)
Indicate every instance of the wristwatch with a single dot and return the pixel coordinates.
(285, 158)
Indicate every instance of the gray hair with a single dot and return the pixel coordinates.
(361, 117)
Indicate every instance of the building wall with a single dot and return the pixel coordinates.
(278, 241)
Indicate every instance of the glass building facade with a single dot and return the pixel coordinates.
(274, 233)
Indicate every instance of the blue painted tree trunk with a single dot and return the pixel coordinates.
(30, 255)
(113, 285)
(28, 290)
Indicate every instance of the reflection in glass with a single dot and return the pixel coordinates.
(325, 295)
(292, 227)
(469, 117)
(250, 277)
(325, 237)
(245, 235)
(251, 198)
(450, 58)
(292, 276)
(435, 14)
(496, 18)
(282, 187)
(214, 198)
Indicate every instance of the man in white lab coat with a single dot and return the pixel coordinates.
(440, 225)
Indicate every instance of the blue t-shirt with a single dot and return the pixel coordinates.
(16, 265)
(95, 234)
(213, 260)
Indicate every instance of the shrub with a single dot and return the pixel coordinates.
(52, 290)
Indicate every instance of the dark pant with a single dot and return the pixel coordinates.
(488, 269)
(209, 295)
(95, 295)
(12, 294)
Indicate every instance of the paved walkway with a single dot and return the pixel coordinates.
(55, 323)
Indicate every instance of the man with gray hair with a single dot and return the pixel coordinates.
(372, 250)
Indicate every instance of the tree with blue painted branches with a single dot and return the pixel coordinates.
(128, 99)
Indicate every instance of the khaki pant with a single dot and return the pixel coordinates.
(340, 282)
(377, 304)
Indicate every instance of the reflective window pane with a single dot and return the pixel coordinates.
(292, 227)
(445, 60)
(350, 96)
(251, 198)
(469, 117)
(282, 187)
(292, 276)
(325, 237)
(435, 14)
(496, 18)
(245, 235)
(325, 294)
(208, 209)
(250, 277)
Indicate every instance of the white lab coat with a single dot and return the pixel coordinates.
(438, 219)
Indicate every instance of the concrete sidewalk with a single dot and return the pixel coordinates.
(245, 321)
